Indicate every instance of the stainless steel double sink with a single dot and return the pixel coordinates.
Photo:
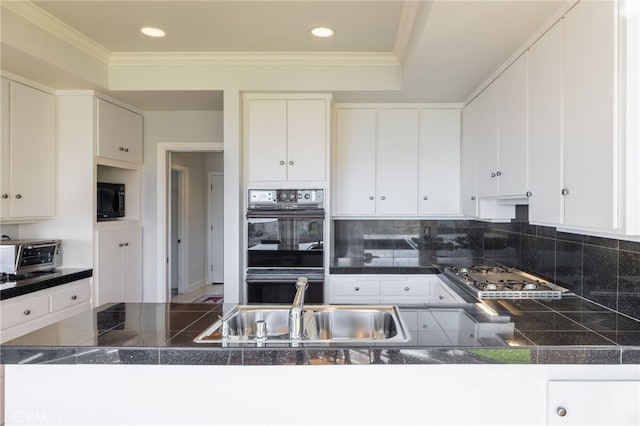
(321, 323)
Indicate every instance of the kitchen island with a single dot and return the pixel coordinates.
(143, 358)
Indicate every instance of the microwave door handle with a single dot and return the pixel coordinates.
(120, 200)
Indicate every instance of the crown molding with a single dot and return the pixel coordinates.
(405, 27)
(253, 58)
(51, 24)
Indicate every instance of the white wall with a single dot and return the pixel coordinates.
(176, 127)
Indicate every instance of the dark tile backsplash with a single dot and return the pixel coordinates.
(604, 270)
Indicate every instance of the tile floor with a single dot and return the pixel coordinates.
(206, 290)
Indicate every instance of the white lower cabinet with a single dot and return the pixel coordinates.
(24, 314)
(353, 289)
(119, 265)
(593, 402)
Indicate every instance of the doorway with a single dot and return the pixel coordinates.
(190, 214)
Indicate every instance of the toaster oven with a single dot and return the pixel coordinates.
(20, 257)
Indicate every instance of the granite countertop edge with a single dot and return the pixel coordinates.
(44, 281)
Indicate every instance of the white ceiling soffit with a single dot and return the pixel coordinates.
(447, 47)
(182, 100)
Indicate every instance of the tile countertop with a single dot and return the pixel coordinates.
(571, 330)
(42, 280)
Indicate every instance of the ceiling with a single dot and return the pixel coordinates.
(447, 48)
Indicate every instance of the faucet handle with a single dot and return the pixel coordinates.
(302, 281)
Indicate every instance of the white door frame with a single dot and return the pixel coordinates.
(183, 226)
(210, 221)
(163, 176)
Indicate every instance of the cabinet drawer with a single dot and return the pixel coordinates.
(406, 288)
(426, 321)
(70, 297)
(20, 312)
(356, 288)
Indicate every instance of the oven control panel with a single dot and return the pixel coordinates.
(273, 198)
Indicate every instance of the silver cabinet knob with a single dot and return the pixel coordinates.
(383, 198)
(18, 196)
(356, 288)
(120, 245)
(27, 312)
(121, 148)
(5, 196)
(282, 163)
(74, 297)
(126, 244)
(498, 173)
(371, 197)
(565, 191)
(473, 198)
(407, 289)
(126, 150)
(440, 297)
(425, 198)
(561, 411)
(528, 194)
(493, 175)
(291, 163)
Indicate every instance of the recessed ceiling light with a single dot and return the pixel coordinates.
(152, 32)
(322, 32)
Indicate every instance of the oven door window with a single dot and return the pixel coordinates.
(285, 242)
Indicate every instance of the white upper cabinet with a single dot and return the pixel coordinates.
(397, 165)
(396, 161)
(590, 115)
(27, 152)
(439, 162)
(119, 135)
(545, 129)
(502, 134)
(355, 162)
(469, 160)
(488, 141)
(287, 139)
(511, 174)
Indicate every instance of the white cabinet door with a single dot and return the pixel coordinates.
(306, 140)
(397, 179)
(5, 163)
(488, 141)
(28, 152)
(545, 128)
(512, 130)
(132, 264)
(119, 135)
(469, 160)
(592, 402)
(267, 127)
(355, 162)
(590, 121)
(119, 265)
(354, 289)
(108, 288)
(439, 191)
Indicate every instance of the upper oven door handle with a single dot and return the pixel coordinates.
(305, 214)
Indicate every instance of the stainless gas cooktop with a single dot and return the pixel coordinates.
(500, 282)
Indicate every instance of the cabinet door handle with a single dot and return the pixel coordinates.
(356, 288)
(528, 194)
(371, 197)
(120, 245)
(126, 244)
(291, 163)
(383, 198)
(74, 297)
(18, 196)
(27, 312)
(126, 150)
(565, 191)
(121, 148)
(561, 411)
(498, 173)
(5, 196)
(493, 175)
(440, 297)
(425, 198)
(282, 163)
(407, 289)
(473, 198)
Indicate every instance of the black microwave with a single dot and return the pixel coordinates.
(110, 200)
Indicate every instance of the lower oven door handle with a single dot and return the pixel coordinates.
(280, 281)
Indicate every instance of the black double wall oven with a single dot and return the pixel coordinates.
(285, 240)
